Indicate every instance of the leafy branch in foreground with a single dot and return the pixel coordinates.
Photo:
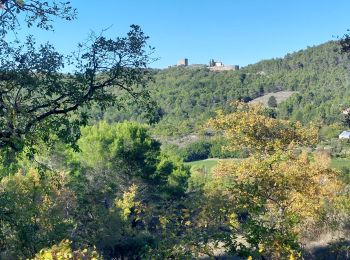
(36, 12)
(37, 98)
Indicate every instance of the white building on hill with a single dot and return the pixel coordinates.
(345, 135)
(346, 111)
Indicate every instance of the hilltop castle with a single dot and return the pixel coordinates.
(219, 66)
(213, 65)
(183, 62)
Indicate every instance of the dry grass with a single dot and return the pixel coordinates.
(280, 97)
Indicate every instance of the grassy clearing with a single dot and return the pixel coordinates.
(209, 164)
(339, 163)
(201, 171)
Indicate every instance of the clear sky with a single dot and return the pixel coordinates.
(232, 31)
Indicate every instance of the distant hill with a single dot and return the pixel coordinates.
(187, 97)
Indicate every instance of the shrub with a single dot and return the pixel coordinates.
(198, 150)
(218, 150)
(64, 251)
(272, 102)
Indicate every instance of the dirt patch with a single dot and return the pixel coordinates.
(280, 97)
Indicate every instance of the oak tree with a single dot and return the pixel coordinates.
(41, 90)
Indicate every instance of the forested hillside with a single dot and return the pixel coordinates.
(187, 96)
(320, 74)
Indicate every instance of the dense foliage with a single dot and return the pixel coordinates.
(123, 195)
(106, 194)
(206, 148)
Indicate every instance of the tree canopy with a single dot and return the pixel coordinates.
(250, 127)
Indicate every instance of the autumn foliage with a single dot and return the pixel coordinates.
(281, 189)
(251, 127)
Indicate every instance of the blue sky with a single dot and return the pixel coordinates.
(232, 31)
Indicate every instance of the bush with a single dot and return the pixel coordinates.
(129, 154)
(198, 150)
(345, 174)
(64, 251)
(218, 150)
(171, 149)
(329, 132)
(214, 148)
(272, 102)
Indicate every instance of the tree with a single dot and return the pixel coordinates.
(250, 127)
(36, 12)
(126, 153)
(345, 43)
(113, 161)
(276, 193)
(211, 63)
(279, 195)
(346, 120)
(272, 102)
(242, 77)
(38, 100)
(198, 150)
(35, 211)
